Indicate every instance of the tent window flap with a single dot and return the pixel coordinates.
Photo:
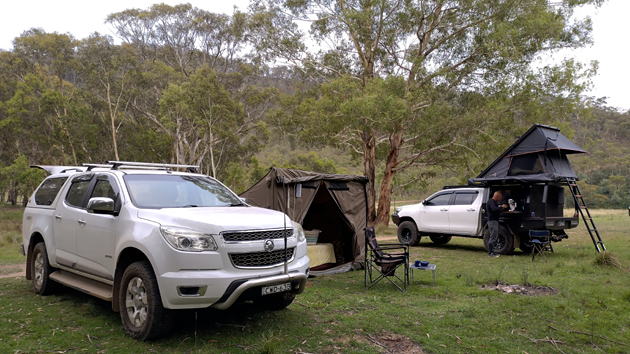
(338, 186)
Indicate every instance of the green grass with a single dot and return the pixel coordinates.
(588, 313)
(10, 235)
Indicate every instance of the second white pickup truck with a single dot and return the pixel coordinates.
(461, 211)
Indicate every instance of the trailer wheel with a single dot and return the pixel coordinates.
(408, 233)
(505, 243)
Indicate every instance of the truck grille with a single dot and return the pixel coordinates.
(255, 235)
(260, 259)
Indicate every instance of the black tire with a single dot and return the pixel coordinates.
(40, 271)
(408, 233)
(275, 302)
(505, 244)
(441, 240)
(141, 310)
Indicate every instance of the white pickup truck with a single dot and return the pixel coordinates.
(461, 211)
(152, 240)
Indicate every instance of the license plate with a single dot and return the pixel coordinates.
(272, 289)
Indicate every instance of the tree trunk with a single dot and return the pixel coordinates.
(24, 200)
(385, 195)
(369, 161)
(114, 137)
(12, 194)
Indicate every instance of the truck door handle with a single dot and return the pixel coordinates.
(470, 209)
(81, 222)
(58, 217)
(443, 209)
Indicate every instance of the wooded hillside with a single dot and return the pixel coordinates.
(413, 95)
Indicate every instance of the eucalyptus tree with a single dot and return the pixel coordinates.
(174, 46)
(44, 107)
(200, 115)
(415, 83)
(108, 72)
(182, 36)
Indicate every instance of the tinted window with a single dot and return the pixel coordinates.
(47, 192)
(465, 198)
(103, 189)
(176, 191)
(441, 199)
(77, 193)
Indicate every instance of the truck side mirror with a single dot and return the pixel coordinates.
(424, 202)
(100, 205)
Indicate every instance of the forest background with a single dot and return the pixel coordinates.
(416, 95)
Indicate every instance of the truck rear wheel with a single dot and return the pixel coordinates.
(40, 271)
(408, 233)
(505, 243)
(441, 240)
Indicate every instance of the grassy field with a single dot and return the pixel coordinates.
(575, 302)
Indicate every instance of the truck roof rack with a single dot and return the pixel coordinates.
(451, 187)
(117, 165)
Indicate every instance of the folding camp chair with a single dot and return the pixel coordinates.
(384, 265)
(541, 243)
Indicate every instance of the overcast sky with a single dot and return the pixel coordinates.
(81, 18)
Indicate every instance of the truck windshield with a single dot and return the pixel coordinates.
(177, 191)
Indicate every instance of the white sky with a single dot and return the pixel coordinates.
(81, 18)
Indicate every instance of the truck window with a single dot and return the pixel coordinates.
(176, 191)
(465, 198)
(77, 193)
(103, 189)
(47, 192)
(441, 199)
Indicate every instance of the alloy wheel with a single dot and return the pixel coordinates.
(136, 302)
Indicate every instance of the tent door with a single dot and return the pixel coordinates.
(324, 214)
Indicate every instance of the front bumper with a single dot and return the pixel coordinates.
(188, 289)
(297, 279)
(396, 219)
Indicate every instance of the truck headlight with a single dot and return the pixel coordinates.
(188, 240)
(397, 210)
(298, 231)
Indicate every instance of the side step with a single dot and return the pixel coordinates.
(88, 286)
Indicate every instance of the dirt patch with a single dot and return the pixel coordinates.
(12, 270)
(520, 289)
(391, 343)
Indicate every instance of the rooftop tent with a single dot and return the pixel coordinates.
(539, 155)
(334, 204)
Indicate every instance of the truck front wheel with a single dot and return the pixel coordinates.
(142, 313)
(408, 233)
(505, 243)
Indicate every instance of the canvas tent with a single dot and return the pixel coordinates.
(335, 204)
(539, 155)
